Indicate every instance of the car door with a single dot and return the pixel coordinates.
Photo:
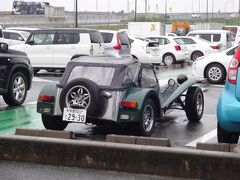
(65, 47)
(39, 48)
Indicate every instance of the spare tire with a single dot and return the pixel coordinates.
(82, 94)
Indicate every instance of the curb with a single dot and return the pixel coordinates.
(164, 161)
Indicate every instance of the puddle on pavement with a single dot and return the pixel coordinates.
(19, 117)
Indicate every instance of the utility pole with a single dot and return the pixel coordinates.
(238, 12)
(146, 7)
(76, 13)
(207, 12)
(135, 10)
(212, 9)
(96, 5)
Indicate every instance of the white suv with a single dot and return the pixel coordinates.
(53, 48)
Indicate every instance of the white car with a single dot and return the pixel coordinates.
(213, 67)
(198, 47)
(14, 37)
(172, 49)
(52, 49)
(145, 50)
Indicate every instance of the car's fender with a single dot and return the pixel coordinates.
(177, 92)
(139, 95)
(47, 107)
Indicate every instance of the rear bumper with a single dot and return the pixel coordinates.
(228, 110)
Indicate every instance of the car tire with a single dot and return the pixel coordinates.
(17, 90)
(148, 118)
(53, 122)
(94, 103)
(196, 55)
(225, 136)
(215, 73)
(194, 104)
(168, 59)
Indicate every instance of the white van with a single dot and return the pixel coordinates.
(1, 35)
(221, 38)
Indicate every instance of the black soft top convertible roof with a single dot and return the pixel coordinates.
(121, 65)
(104, 61)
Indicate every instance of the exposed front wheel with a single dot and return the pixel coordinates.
(194, 104)
(148, 117)
(215, 73)
(53, 122)
(225, 136)
(17, 90)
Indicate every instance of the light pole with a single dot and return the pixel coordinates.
(96, 5)
(135, 10)
(238, 12)
(165, 16)
(207, 12)
(212, 9)
(76, 13)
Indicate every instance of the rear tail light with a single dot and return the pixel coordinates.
(44, 98)
(233, 68)
(129, 104)
(118, 46)
(215, 47)
(177, 47)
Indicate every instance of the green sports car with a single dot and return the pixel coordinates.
(105, 89)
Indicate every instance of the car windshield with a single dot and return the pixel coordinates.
(25, 34)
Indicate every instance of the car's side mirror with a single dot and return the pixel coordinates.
(30, 42)
(3, 47)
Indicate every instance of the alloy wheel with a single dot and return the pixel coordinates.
(148, 118)
(19, 88)
(78, 97)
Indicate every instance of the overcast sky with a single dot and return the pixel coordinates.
(154, 5)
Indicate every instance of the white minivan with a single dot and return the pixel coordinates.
(221, 38)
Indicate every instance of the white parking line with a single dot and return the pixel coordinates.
(36, 79)
(203, 139)
(31, 103)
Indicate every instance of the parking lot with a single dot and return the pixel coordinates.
(174, 125)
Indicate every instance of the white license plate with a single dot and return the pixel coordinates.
(74, 115)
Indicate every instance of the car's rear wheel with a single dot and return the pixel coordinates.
(215, 73)
(225, 136)
(168, 59)
(196, 55)
(148, 118)
(53, 122)
(194, 104)
(17, 90)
